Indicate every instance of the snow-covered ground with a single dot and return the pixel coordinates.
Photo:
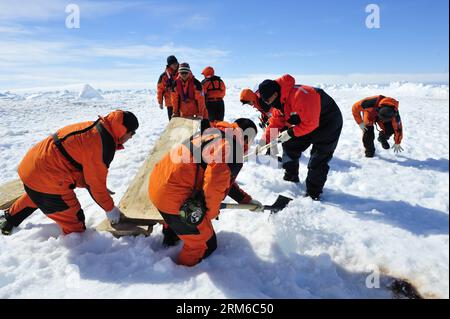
(387, 214)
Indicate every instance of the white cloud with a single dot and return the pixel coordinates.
(37, 63)
(14, 29)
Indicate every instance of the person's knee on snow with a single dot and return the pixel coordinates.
(176, 186)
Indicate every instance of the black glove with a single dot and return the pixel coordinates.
(294, 119)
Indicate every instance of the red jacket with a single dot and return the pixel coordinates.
(301, 99)
(188, 99)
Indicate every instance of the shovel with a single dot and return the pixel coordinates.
(280, 204)
(262, 149)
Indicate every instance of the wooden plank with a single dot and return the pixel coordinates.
(135, 202)
(10, 192)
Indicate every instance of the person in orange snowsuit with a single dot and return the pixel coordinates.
(187, 97)
(383, 111)
(214, 90)
(165, 85)
(207, 163)
(77, 155)
(249, 97)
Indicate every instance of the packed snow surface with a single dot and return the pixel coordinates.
(388, 214)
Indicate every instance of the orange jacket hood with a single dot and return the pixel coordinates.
(287, 83)
(113, 122)
(248, 95)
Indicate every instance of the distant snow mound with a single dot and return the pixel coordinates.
(89, 93)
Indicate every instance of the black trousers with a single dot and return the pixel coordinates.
(369, 136)
(324, 141)
(179, 228)
(169, 112)
(216, 110)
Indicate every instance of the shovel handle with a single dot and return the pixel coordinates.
(238, 206)
(262, 149)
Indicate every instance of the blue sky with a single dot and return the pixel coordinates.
(128, 41)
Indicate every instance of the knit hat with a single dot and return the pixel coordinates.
(184, 67)
(171, 60)
(267, 88)
(130, 121)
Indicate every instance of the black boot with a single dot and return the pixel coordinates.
(291, 172)
(314, 196)
(170, 237)
(291, 177)
(382, 139)
(370, 154)
(5, 226)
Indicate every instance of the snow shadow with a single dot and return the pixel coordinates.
(238, 272)
(440, 165)
(336, 164)
(415, 219)
(341, 165)
(233, 270)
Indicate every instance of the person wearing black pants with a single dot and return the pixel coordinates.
(214, 89)
(216, 110)
(307, 117)
(381, 111)
(324, 141)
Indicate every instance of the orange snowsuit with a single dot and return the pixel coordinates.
(165, 84)
(369, 108)
(214, 88)
(210, 158)
(188, 99)
(248, 95)
(77, 155)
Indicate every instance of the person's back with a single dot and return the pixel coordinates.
(77, 155)
(382, 111)
(200, 173)
(214, 89)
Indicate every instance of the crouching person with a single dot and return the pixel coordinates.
(77, 155)
(188, 185)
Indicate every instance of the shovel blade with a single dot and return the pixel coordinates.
(280, 204)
